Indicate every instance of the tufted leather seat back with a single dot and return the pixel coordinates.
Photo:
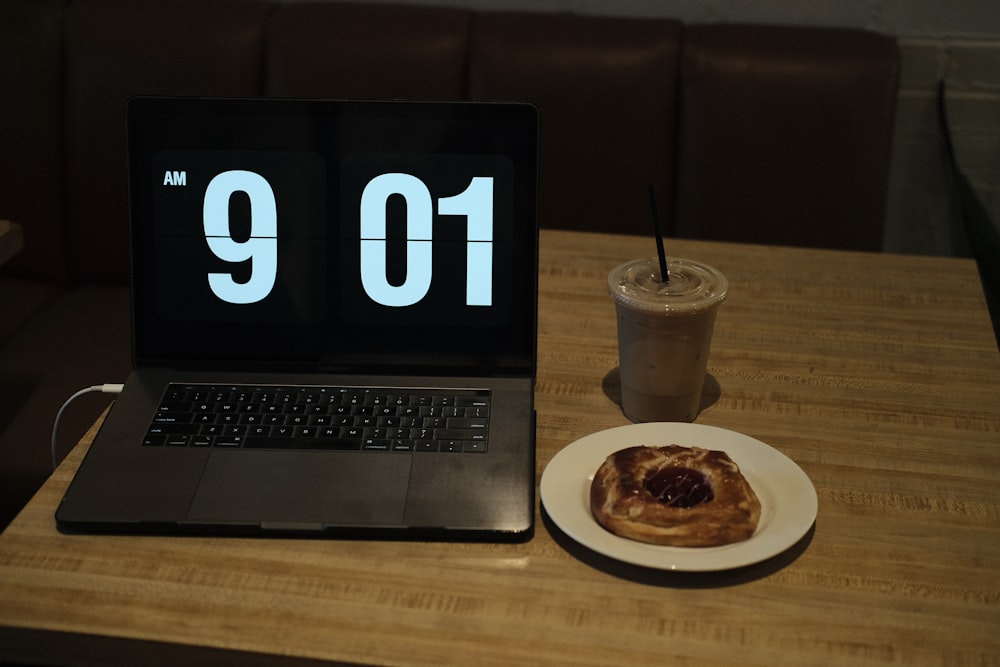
(784, 135)
(605, 89)
(748, 133)
(115, 49)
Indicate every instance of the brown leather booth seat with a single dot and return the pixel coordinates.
(606, 90)
(779, 140)
(777, 135)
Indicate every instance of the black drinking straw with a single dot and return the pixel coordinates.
(658, 233)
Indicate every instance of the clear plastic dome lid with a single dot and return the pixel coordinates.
(692, 286)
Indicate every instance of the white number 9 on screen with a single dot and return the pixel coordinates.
(261, 248)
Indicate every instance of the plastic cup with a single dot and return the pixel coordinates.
(664, 335)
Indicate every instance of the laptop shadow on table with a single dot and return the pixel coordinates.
(711, 391)
(674, 579)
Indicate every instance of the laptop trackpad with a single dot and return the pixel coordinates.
(286, 487)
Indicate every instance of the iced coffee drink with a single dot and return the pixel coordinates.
(664, 335)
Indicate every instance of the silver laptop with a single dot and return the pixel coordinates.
(334, 323)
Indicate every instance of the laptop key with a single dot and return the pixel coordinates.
(376, 445)
(172, 417)
(179, 429)
(471, 402)
(459, 434)
(467, 422)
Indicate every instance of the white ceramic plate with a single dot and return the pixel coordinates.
(787, 496)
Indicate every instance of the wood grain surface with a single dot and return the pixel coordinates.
(877, 374)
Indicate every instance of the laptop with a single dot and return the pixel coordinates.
(334, 323)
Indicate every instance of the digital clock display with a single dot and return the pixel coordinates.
(220, 212)
(432, 235)
(333, 235)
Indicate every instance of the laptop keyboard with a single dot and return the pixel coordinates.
(320, 417)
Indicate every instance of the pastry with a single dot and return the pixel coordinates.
(673, 495)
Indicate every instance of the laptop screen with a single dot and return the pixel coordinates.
(333, 236)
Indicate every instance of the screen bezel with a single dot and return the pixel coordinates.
(331, 128)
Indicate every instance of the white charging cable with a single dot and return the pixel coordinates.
(101, 388)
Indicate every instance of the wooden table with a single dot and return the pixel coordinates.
(879, 375)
